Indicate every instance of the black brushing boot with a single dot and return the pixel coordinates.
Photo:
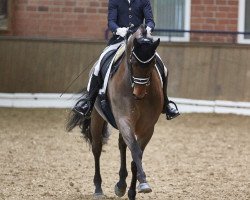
(85, 105)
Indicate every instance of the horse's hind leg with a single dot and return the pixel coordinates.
(121, 186)
(97, 126)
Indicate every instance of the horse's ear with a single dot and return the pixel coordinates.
(156, 43)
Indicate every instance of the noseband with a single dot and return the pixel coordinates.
(138, 80)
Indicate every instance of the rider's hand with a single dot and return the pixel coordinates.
(149, 30)
(121, 31)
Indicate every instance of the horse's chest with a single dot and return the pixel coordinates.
(148, 110)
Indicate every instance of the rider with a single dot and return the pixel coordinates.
(121, 15)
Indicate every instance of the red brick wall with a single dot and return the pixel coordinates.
(215, 15)
(88, 18)
(60, 18)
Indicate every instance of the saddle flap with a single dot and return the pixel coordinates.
(103, 107)
(116, 57)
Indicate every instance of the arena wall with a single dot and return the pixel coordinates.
(207, 71)
(50, 42)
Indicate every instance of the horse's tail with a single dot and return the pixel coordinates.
(75, 119)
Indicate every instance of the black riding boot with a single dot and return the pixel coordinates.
(171, 112)
(85, 105)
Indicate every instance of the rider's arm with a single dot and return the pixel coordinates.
(148, 14)
(112, 16)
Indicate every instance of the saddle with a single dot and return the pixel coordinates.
(111, 61)
(114, 56)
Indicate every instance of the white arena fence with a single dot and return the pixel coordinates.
(54, 100)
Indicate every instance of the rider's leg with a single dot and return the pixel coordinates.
(85, 105)
(171, 112)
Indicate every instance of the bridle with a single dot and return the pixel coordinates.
(138, 80)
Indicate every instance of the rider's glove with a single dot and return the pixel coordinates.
(149, 30)
(121, 31)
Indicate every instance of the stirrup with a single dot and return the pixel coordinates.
(170, 116)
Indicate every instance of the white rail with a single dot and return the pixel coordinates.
(53, 100)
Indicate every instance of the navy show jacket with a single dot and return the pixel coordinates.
(121, 13)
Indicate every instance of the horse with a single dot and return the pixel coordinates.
(136, 99)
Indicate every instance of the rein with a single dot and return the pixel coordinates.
(141, 61)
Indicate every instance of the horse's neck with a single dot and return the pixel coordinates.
(123, 73)
(129, 46)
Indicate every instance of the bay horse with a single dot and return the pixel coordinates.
(136, 99)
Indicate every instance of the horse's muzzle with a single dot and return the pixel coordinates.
(139, 98)
(139, 92)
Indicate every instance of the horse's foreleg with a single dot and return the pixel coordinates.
(130, 140)
(143, 187)
(132, 188)
(121, 186)
(143, 141)
(97, 125)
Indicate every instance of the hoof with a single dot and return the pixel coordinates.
(144, 188)
(131, 194)
(119, 192)
(98, 196)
